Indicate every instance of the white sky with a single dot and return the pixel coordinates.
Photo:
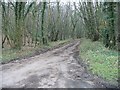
(45, 0)
(64, 0)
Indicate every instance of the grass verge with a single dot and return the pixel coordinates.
(102, 61)
(10, 54)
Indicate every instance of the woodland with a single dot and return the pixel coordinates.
(35, 23)
(30, 25)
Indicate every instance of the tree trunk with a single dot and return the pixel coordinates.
(118, 25)
(42, 24)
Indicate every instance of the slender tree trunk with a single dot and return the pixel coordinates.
(118, 25)
(42, 24)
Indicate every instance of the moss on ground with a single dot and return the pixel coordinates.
(13, 54)
(102, 61)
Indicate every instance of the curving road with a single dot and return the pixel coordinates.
(57, 68)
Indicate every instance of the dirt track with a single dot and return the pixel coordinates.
(54, 69)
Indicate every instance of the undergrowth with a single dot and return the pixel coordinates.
(102, 61)
(13, 54)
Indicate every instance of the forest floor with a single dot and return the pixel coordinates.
(57, 68)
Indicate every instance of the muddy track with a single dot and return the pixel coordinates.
(58, 68)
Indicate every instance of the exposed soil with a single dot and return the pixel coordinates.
(58, 68)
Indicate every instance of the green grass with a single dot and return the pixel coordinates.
(102, 61)
(10, 54)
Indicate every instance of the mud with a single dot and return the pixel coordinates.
(58, 68)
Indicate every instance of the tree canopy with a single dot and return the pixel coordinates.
(37, 23)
